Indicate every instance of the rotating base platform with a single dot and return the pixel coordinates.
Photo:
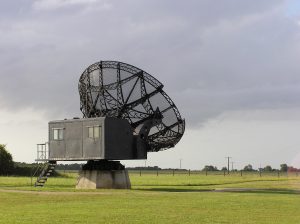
(103, 174)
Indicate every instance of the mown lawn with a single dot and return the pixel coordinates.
(154, 199)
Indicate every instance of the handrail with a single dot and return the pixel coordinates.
(42, 152)
(40, 167)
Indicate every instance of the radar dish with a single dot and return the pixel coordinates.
(116, 89)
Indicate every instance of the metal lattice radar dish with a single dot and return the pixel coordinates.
(116, 89)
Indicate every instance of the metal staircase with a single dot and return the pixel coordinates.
(45, 170)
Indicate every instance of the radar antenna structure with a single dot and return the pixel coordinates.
(120, 90)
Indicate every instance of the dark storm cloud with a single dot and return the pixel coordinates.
(212, 56)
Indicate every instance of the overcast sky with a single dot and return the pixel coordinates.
(231, 67)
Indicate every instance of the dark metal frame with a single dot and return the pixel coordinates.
(96, 101)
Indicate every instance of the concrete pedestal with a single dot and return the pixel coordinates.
(106, 179)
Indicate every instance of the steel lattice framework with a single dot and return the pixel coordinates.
(116, 89)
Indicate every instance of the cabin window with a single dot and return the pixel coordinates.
(58, 134)
(94, 132)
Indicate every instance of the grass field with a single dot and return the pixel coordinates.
(155, 199)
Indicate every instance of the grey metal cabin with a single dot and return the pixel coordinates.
(93, 139)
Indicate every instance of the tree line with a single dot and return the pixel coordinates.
(9, 167)
(283, 168)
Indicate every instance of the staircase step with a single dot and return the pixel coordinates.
(46, 172)
(41, 181)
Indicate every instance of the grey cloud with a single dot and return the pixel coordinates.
(211, 56)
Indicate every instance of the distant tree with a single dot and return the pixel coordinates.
(293, 169)
(248, 168)
(224, 168)
(73, 166)
(268, 168)
(283, 167)
(6, 161)
(210, 168)
(146, 168)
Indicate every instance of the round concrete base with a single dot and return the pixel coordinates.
(106, 179)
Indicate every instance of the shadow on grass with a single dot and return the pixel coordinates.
(225, 190)
(174, 190)
(210, 184)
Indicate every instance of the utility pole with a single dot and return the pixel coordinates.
(180, 163)
(232, 165)
(228, 158)
(260, 167)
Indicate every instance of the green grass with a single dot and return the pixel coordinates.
(155, 199)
